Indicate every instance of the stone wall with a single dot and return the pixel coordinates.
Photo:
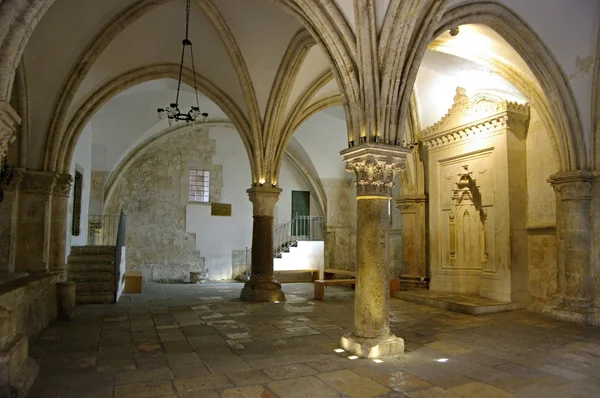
(541, 220)
(153, 192)
(32, 302)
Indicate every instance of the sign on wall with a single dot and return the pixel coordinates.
(220, 209)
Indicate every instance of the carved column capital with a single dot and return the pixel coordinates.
(39, 182)
(62, 185)
(408, 204)
(572, 185)
(375, 166)
(17, 178)
(263, 200)
(9, 124)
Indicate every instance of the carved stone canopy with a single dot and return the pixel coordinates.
(375, 166)
(476, 116)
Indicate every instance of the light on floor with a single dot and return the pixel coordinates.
(377, 361)
(338, 350)
(442, 360)
(276, 302)
(352, 357)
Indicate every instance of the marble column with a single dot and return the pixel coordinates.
(34, 221)
(374, 166)
(414, 262)
(573, 237)
(262, 286)
(58, 222)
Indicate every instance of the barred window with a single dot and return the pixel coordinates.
(199, 186)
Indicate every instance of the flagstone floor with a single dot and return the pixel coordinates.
(200, 341)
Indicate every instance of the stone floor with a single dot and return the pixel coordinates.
(200, 341)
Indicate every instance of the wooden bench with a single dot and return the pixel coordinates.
(295, 275)
(331, 272)
(320, 285)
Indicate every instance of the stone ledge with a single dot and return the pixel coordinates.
(465, 304)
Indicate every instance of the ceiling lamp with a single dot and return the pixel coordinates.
(172, 112)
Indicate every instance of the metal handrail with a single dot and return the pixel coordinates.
(119, 253)
(103, 229)
(299, 228)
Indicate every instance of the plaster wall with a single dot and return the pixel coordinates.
(167, 237)
(82, 162)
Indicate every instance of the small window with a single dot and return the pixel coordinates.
(199, 186)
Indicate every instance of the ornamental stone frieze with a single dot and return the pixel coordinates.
(62, 185)
(38, 182)
(375, 167)
(478, 115)
(9, 124)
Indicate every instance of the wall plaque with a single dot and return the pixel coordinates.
(220, 209)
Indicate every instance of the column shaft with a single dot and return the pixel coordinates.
(262, 286)
(58, 228)
(371, 308)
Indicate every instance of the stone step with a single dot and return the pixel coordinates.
(94, 298)
(95, 287)
(91, 277)
(80, 268)
(92, 250)
(91, 258)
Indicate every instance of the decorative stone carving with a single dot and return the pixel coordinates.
(62, 185)
(574, 185)
(263, 200)
(467, 224)
(375, 167)
(480, 114)
(9, 124)
(38, 182)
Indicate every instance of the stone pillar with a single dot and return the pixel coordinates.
(595, 260)
(9, 124)
(34, 221)
(414, 249)
(573, 239)
(58, 228)
(9, 223)
(374, 166)
(262, 286)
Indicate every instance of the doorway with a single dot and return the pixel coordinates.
(301, 213)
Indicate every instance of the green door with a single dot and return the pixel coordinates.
(301, 213)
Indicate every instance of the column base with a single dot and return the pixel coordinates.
(373, 348)
(262, 291)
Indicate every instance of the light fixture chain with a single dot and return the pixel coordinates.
(187, 18)
(194, 73)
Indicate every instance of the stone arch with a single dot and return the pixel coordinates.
(544, 66)
(59, 152)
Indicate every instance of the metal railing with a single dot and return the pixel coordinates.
(103, 229)
(300, 228)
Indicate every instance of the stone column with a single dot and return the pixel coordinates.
(262, 286)
(9, 223)
(374, 166)
(58, 222)
(34, 221)
(573, 239)
(414, 261)
(9, 124)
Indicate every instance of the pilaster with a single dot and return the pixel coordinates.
(58, 228)
(34, 221)
(9, 125)
(9, 223)
(414, 249)
(262, 286)
(375, 167)
(595, 256)
(574, 243)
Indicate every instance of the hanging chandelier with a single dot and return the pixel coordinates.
(172, 112)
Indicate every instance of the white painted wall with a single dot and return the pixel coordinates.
(218, 237)
(82, 162)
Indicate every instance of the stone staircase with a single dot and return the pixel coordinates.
(93, 270)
